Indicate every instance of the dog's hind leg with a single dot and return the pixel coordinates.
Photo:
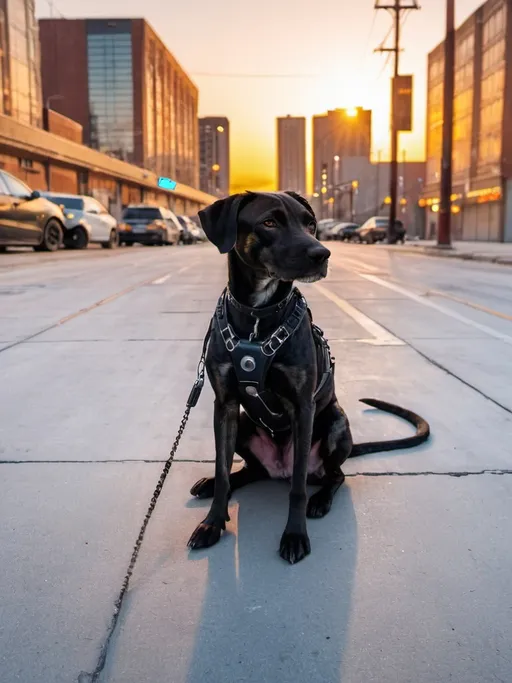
(335, 449)
(252, 470)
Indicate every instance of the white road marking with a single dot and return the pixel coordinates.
(344, 261)
(161, 280)
(381, 337)
(431, 304)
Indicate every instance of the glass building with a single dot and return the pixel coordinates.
(20, 65)
(482, 140)
(110, 77)
(121, 83)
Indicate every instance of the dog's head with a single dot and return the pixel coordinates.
(272, 232)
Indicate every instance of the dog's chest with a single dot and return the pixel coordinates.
(278, 460)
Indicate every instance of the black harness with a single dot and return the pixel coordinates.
(252, 359)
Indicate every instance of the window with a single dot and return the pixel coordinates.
(109, 57)
(75, 203)
(15, 187)
(142, 213)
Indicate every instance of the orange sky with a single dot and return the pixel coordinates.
(329, 45)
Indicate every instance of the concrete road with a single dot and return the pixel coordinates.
(409, 576)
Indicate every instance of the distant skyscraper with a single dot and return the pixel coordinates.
(20, 64)
(214, 155)
(338, 134)
(291, 154)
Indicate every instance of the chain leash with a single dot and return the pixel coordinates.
(191, 403)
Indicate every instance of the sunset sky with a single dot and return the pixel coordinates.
(326, 46)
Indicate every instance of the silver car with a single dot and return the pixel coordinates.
(86, 221)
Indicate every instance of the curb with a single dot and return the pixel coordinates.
(451, 253)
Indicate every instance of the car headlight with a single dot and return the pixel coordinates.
(70, 215)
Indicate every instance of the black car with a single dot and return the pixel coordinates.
(376, 230)
(149, 225)
(26, 218)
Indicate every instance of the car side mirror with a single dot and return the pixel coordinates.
(35, 194)
(94, 212)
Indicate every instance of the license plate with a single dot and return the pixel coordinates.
(139, 228)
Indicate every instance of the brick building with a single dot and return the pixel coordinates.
(118, 80)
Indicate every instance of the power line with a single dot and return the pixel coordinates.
(206, 74)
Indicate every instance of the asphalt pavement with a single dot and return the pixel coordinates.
(409, 576)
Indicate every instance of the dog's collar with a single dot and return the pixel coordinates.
(260, 313)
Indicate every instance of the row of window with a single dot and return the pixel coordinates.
(494, 26)
(493, 87)
(493, 56)
(465, 50)
(464, 77)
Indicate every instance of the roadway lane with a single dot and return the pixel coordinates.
(99, 353)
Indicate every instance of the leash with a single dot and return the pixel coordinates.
(191, 403)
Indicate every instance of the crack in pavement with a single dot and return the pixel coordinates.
(389, 473)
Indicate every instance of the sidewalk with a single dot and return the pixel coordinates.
(490, 252)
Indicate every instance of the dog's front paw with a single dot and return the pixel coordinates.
(204, 536)
(294, 547)
(319, 505)
(203, 488)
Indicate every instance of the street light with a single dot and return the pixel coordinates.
(220, 129)
(215, 168)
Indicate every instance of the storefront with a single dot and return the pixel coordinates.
(477, 215)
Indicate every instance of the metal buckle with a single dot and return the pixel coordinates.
(229, 337)
(278, 339)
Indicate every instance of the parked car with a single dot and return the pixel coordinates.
(148, 224)
(26, 218)
(341, 231)
(323, 227)
(191, 232)
(376, 229)
(86, 221)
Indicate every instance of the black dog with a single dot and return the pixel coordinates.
(267, 356)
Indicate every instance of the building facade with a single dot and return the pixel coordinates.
(338, 134)
(482, 135)
(291, 154)
(214, 155)
(20, 65)
(120, 82)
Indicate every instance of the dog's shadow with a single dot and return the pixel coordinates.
(264, 620)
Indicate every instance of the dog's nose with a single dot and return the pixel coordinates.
(318, 253)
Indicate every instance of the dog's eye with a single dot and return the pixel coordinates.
(270, 223)
(311, 228)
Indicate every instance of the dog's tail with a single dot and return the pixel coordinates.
(422, 430)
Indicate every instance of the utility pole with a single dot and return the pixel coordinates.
(445, 206)
(396, 10)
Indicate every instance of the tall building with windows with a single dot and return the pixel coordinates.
(121, 83)
(339, 133)
(291, 154)
(20, 66)
(482, 135)
(214, 155)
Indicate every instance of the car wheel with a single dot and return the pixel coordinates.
(78, 238)
(52, 236)
(112, 242)
(3, 250)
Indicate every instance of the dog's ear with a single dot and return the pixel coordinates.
(220, 222)
(302, 201)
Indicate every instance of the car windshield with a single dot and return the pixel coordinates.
(142, 213)
(182, 221)
(68, 202)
